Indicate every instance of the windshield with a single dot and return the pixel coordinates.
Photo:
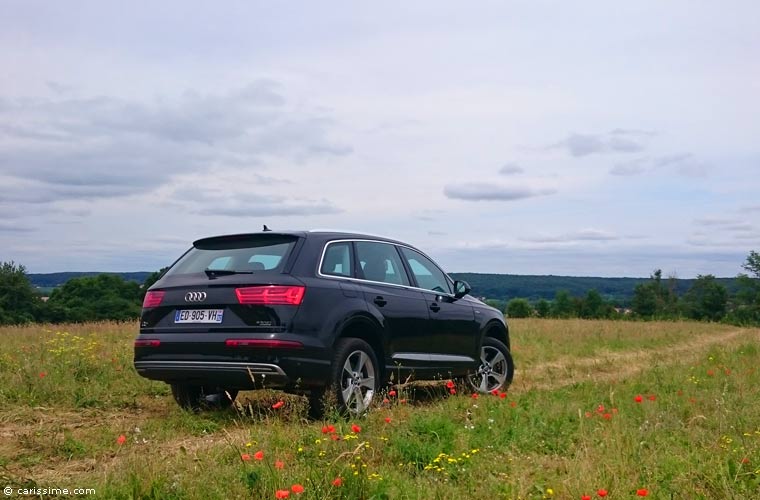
(244, 254)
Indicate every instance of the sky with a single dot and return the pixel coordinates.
(588, 138)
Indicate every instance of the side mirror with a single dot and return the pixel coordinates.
(461, 288)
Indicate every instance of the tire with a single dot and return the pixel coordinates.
(355, 377)
(197, 398)
(496, 369)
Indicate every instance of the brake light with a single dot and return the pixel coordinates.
(147, 343)
(271, 295)
(153, 299)
(264, 343)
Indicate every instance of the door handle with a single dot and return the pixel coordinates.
(435, 307)
(380, 301)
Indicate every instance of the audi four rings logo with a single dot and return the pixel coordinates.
(195, 296)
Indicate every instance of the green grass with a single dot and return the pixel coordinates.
(569, 426)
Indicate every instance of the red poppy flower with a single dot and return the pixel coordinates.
(728, 372)
(638, 398)
(745, 460)
(279, 464)
(387, 420)
(245, 457)
(585, 497)
(259, 455)
(334, 437)
(386, 401)
(337, 482)
(588, 414)
(503, 395)
(328, 429)
(42, 374)
(600, 409)
(281, 494)
(642, 492)
(710, 373)
(450, 384)
(652, 397)
(601, 493)
(355, 429)
(495, 392)
(607, 416)
(474, 395)
(513, 403)
(278, 405)
(121, 439)
(392, 393)
(453, 391)
(402, 401)
(297, 489)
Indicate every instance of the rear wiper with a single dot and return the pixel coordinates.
(213, 273)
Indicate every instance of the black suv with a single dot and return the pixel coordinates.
(311, 312)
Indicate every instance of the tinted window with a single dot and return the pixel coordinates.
(381, 262)
(426, 273)
(251, 253)
(337, 259)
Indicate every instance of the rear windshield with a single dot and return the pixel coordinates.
(255, 253)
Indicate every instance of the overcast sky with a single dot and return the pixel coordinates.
(589, 138)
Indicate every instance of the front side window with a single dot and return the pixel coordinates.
(426, 273)
(380, 262)
(337, 259)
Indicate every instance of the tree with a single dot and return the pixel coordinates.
(519, 308)
(592, 305)
(94, 298)
(19, 303)
(654, 299)
(706, 299)
(543, 308)
(752, 264)
(563, 305)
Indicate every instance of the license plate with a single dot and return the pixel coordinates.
(199, 316)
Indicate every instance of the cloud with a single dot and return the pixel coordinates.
(572, 237)
(105, 147)
(617, 141)
(249, 204)
(511, 169)
(630, 168)
(491, 192)
(14, 228)
(750, 208)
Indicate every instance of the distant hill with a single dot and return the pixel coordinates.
(492, 286)
(509, 286)
(52, 280)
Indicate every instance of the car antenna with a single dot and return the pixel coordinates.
(266, 229)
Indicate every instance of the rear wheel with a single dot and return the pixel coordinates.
(355, 376)
(196, 397)
(496, 368)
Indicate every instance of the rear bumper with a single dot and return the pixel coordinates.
(240, 375)
(204, 359)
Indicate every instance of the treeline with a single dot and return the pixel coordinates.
(111, 297)
(89, 298)
(706, 300)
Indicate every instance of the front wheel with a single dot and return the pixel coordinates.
(496, 368)
(355, 376)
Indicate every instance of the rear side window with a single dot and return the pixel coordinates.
(381, 262)
(253, 253)
(337, 259)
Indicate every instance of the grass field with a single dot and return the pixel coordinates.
(670, 410)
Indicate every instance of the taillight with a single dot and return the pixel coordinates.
(264, 343)
(153, 299)
(271, 295)
(147, 343)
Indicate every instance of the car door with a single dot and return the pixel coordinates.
(391, 298)
(453, 326)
